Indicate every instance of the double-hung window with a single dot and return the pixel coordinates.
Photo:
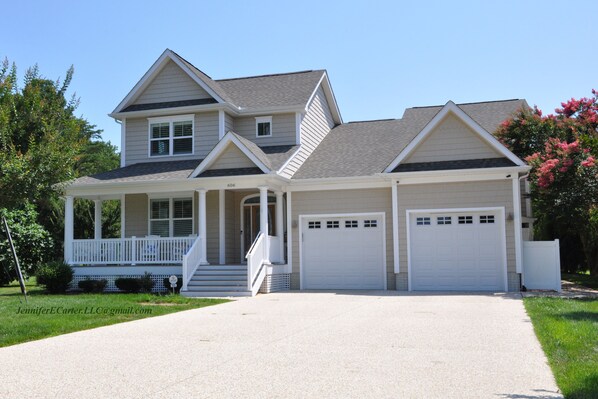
(171, 217)
(171, 135)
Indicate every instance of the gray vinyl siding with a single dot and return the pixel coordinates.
(229, 123)
(171, 84)
(137, 139)
(232, 158)
(315, 125)
(283, 130)
(136, 214)
(342, 201)
(456, 195)
(452, 140)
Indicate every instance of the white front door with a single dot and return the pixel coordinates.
(457, 251)
(343, 252)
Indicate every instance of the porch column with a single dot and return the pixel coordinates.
(279, 226)
(264, 219)
(97, 220)
(221, 226)
(203, 226)
(68, 228)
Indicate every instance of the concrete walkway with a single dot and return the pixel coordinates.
(297, 345)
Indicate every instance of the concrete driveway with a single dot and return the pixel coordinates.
(297, 345)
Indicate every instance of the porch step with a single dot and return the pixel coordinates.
(212, 283)
(216, 294)
(218, 281)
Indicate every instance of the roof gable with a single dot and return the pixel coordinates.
(203, 81)
(451, 140)
(171, 83)
(452, 109)
(233, 152)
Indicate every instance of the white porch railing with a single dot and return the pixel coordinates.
(255, 263)
(131, 251)
(191, 261)
(274, 249)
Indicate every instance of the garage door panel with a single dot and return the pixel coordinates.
(345, 253)
(456, 251)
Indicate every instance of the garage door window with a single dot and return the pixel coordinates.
(313, 225)
(332, 224)
(465, 219)
(443, 220)
(423, 221)
(486, 219)
(370, 223)
(351, 224)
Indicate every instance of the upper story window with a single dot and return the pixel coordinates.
(171, 135)
(263, 126)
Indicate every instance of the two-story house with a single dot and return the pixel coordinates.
(238, 185)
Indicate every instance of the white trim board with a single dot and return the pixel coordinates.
(229, 138)
(148, 77)
(501, 219)
(382, 215)
(451, 107)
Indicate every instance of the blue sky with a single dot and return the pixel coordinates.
(381, 56)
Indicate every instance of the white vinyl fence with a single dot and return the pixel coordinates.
(542, 265)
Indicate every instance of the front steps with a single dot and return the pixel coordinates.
(218, 281)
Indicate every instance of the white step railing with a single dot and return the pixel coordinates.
(131, 251)
(256, 257)
(191, 261)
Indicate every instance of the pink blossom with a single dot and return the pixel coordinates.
(588, 163)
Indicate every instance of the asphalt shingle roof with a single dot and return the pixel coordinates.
(276, 90)
(367, 148)
(145, 171)
(452, 165)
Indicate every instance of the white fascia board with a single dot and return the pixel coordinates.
(228, 138)
(114, 190)
(175, 110)
(451, 107)
(458, 175)
(266, 111)
(332, 104)
(283, 167)
(149, 76)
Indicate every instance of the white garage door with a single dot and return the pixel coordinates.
(343, 252)
(456, 251)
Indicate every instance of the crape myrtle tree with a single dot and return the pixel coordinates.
(562, 149)
(43, 144)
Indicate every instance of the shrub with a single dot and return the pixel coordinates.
(32, 242)
(133, 285)
(179, 285)
(55, 276)
(146, 282)
(128, 284)
(88, 285)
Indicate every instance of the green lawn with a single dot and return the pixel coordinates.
(74, 312)
(568, 332)
(582, 279)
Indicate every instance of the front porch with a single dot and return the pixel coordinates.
(181, 231)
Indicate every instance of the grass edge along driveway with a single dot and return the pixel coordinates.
(50, 315)
(568, 332)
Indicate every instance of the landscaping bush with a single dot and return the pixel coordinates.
(179, 285)
(89, 285)
(128, 284)
(146, 282)
(55, 276)
(135, 284)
